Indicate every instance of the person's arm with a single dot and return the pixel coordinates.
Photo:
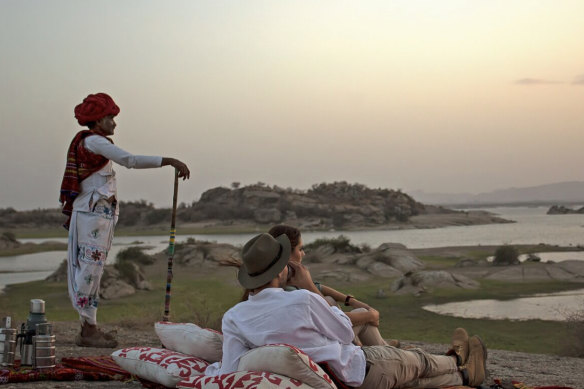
(233, 347)
(342, 297)
(370, 316)
(100, 145)
(330, 321)
(303, 280)
(357, 318)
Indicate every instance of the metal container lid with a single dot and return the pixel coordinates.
(37, 306)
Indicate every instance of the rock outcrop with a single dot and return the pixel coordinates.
(325, 205)
(425, 281)
(8, 241)
(562, 210)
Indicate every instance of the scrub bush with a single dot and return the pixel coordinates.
(506, 255)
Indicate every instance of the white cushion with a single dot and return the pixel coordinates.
(286, 360)
(188, 338)
(162, 366)
(243, 380)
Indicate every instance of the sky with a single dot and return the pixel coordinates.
(439, 96)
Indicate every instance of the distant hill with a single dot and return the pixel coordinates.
(325, 206)
(570, 192)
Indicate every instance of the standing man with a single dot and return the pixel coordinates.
(303, 319)
(89, 199)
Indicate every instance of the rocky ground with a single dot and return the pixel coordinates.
(531, 369)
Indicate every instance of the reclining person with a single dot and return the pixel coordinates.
(365, 320)
(303, 319)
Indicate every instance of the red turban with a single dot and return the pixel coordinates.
(95, 107)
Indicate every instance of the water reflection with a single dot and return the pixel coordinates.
(552, 306)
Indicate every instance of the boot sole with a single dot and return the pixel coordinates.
(485, 354)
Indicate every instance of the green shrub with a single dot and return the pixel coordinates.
(127, 270)
(575, 335)
(341, 244)
(506, 255)
(135, 254)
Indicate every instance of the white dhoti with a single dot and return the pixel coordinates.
(90, 239)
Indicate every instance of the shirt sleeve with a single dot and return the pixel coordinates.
(331, 321)
(234, 346)
(100, 145)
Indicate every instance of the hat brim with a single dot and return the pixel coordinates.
(250, 282)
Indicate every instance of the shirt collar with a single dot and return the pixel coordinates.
(265, 293)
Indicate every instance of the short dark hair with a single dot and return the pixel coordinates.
(292, 233)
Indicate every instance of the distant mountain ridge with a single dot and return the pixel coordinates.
(568, 192)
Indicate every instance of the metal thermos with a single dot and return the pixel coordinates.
(44, 347)
(27, 334)
(7, 342)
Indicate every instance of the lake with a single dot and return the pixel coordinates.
(532, 226)
(553, 306)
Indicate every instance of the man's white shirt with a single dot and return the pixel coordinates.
(299, 318)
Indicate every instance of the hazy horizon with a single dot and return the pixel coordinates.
(445, 97)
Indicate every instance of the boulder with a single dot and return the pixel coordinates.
(400, 258)
(116, 289)
(59, 275)
(424, 281)
(112, 286)
(383, 270)
(7, 241)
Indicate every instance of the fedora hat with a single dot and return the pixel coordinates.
(264, 257)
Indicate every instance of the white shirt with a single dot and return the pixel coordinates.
(102, 184)
(299, 318)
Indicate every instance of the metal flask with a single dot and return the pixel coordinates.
(7, 342)
(44, 347)
(36, 316)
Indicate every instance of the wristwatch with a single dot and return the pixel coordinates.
(349, 297)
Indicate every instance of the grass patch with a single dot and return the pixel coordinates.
(202, 298)
(30, 248)
(402, 317)
(193, 300)
(437, 261)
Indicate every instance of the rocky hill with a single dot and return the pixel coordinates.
(337, 205)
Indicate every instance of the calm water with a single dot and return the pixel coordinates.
(553, 306)
(532, 226)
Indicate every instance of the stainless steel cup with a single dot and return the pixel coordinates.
(44, 351)
(7, 346)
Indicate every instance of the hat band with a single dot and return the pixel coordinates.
(257, 273)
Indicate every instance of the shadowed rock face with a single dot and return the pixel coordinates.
(8, 242)
(562, 210)
(424, 281)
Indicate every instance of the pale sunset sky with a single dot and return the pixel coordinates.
(442, 96)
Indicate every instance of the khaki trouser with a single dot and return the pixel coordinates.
(393, 368)
(367, 334)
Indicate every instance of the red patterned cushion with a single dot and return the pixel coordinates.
(163, 366)
(243, 380)
(288, 361)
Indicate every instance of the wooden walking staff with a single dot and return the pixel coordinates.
(171, 249)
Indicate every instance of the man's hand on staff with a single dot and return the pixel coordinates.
(183, 170)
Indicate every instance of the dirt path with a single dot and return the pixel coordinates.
(532, 369)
